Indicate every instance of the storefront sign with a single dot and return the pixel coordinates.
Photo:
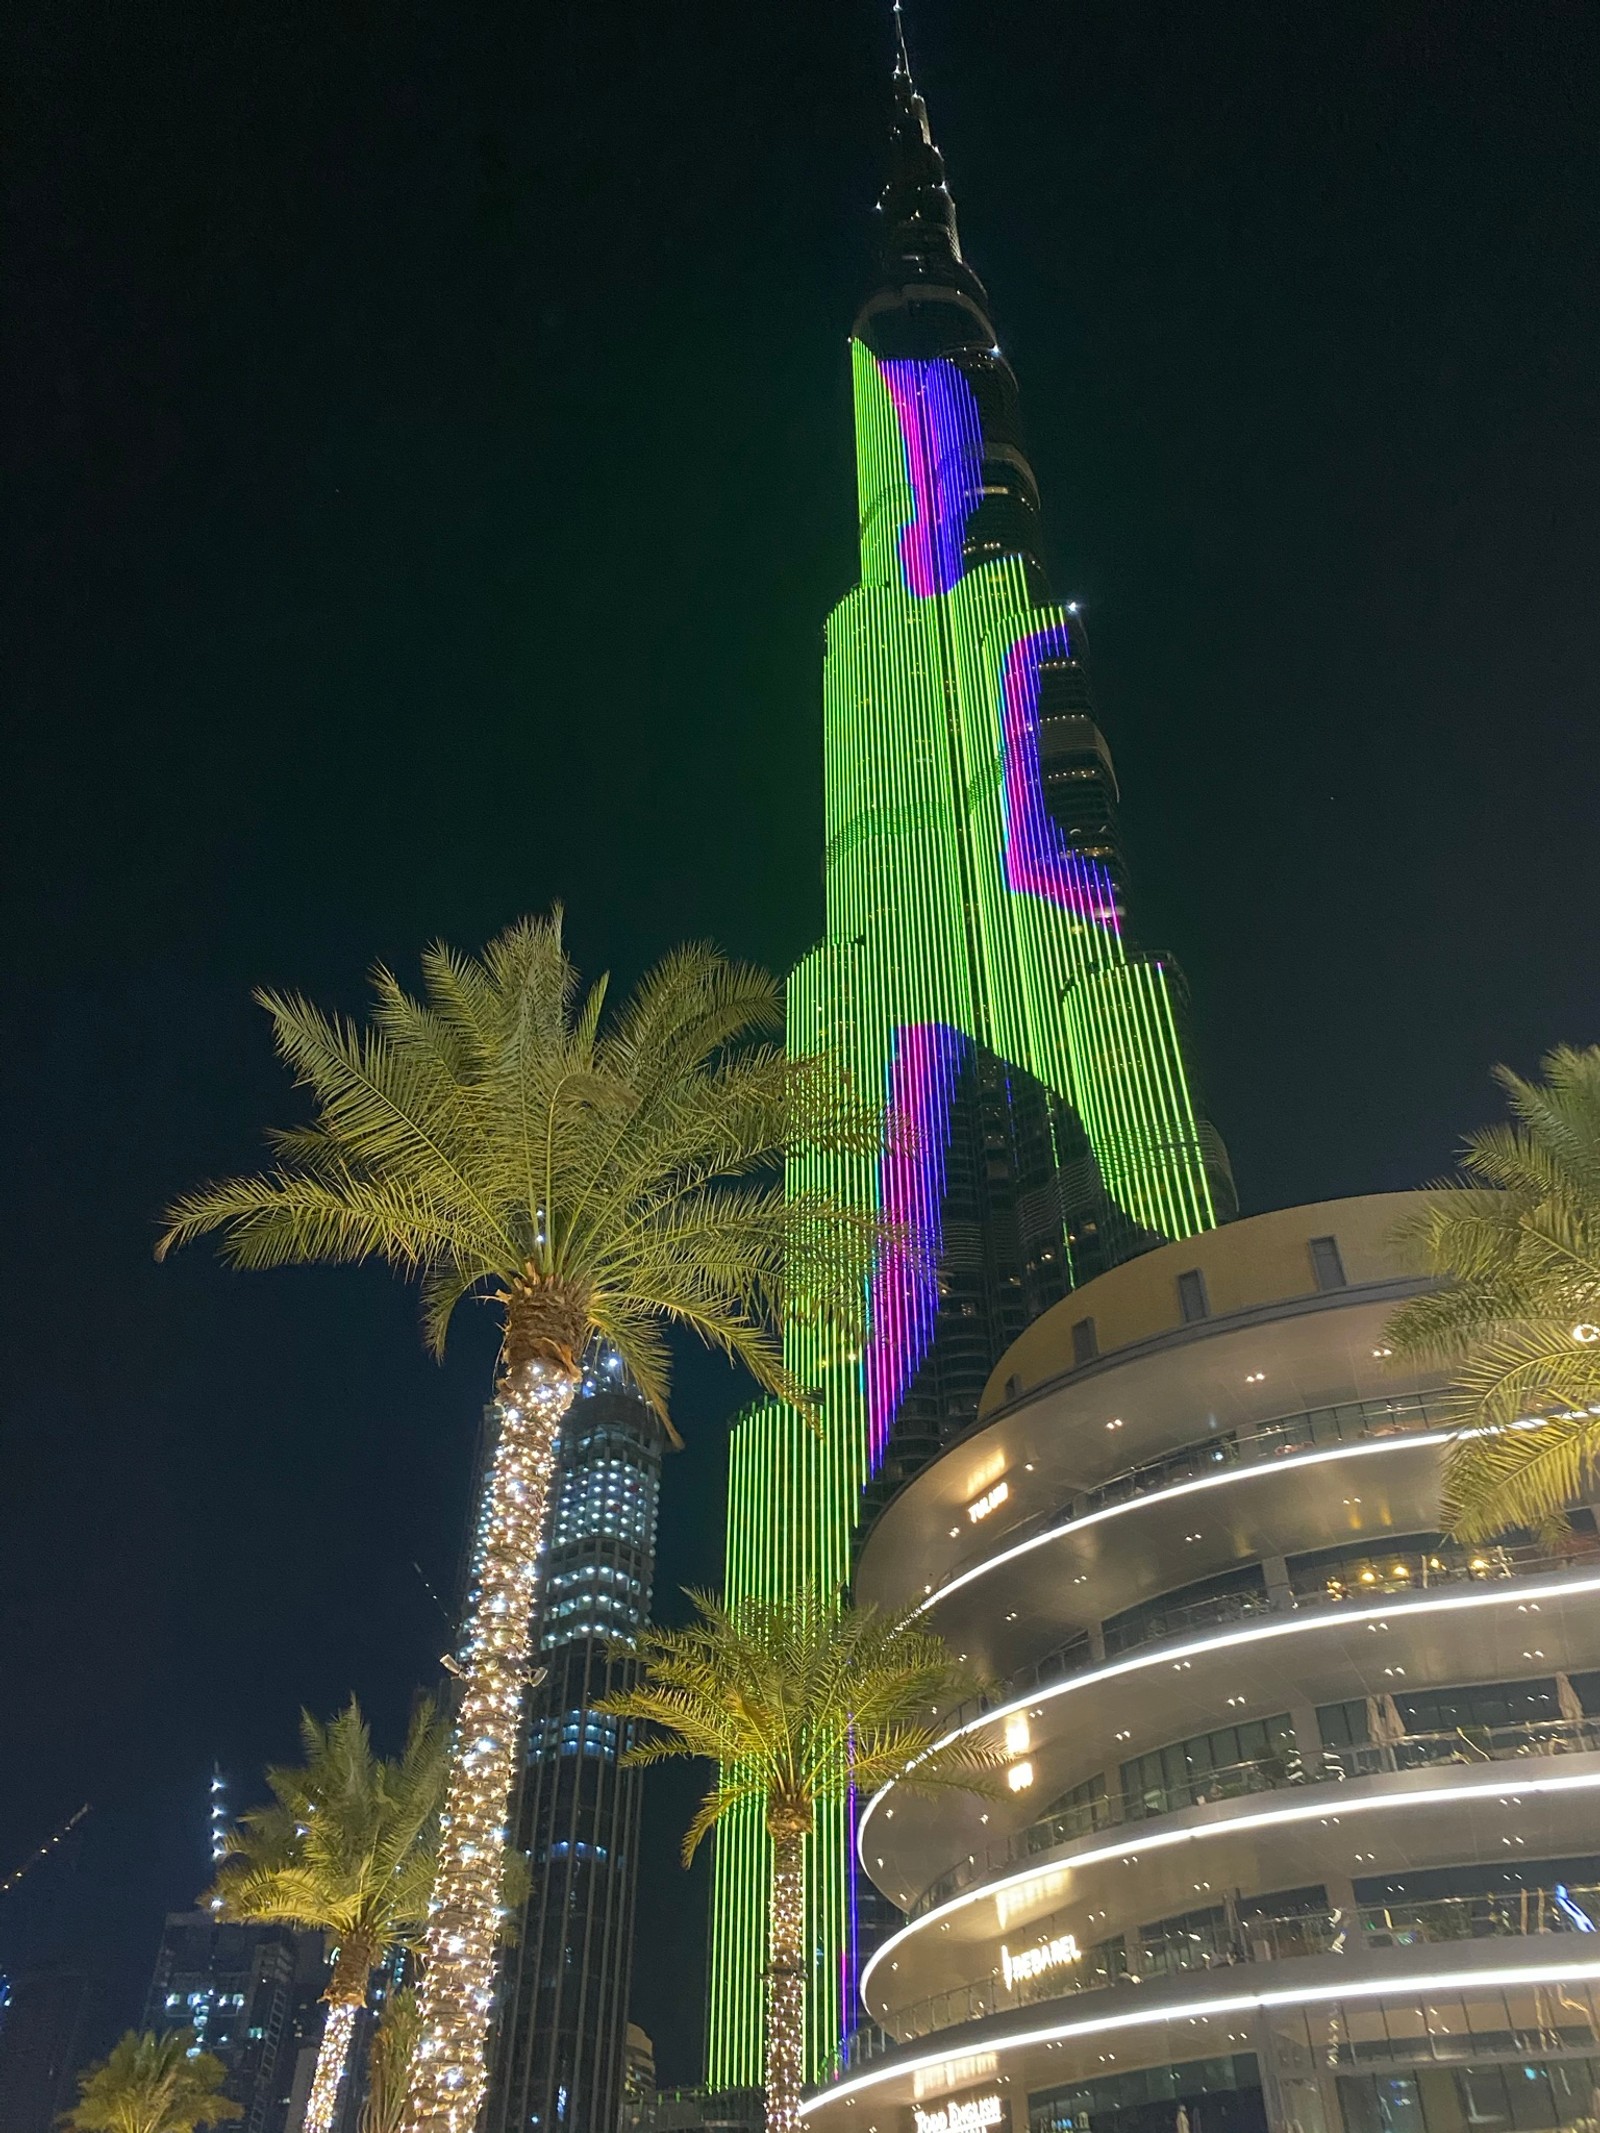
(974, 2117)
(1034, 1962)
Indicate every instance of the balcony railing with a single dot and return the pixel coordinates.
(1223, 1940)
(1262, 1774)
(1417, 1571)
(1267, 1773)
(1356, 1422)
(1464, 1744)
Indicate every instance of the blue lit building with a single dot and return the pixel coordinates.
(559, 2046)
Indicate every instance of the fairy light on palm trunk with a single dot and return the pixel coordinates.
(594, 1174)
(456, 1995)
(331, 2056)
(786, 1977)
(345, 1997)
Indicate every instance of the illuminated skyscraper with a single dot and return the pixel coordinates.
(558, 2061)
(978, 968)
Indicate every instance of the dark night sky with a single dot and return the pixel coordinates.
(430, 468)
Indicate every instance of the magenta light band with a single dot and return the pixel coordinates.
(943, 439)
(911, 1181)
(1039, 860)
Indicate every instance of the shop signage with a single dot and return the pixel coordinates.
(1033, 1962)
(975, 2116)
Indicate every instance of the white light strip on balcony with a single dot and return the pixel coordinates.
(1409, 1988)
(1254, 1471)
(1491, 1780)
(1335, 1614)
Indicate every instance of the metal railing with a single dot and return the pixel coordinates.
(1464, 1744)
(1266, 1773)
(1317, 1429)
(1153, 1621)
(1478, 1566)
(1220, 1941)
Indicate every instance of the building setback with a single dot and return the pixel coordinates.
(558, 2053)
(980, 969)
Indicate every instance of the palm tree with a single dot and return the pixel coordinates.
(349, 1847)
(1517, 1319)
(389, 2057)
(592, 1180)
(799, 1702)
(152, 2084)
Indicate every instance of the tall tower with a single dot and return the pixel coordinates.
(979, 968)
(559, 2050)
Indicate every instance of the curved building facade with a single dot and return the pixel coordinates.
(1298, 1825)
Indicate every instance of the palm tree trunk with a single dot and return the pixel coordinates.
(457, 1989)
(786, 1984)
(331, 2055)
(346, 1996)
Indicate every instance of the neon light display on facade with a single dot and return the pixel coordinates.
(1039, 860)
(958, 917)
(943, 444)
(911, 1181)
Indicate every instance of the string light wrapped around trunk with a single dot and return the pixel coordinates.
(456, 1994)
(786, 1981)
(331, 2056)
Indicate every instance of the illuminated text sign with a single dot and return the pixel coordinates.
(1033, 1962)
(972, 2117)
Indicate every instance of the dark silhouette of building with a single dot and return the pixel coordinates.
(238, 1987)
(47, 2022)
(558, 2054)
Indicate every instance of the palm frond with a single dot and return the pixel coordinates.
(798, 1701)
(347, 1845)
(499, 1136)
(1514, 1244)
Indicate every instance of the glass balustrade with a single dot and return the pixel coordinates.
(1356, 1422)
(1269, 1773)
(1221, 1941)
(1186, 1618)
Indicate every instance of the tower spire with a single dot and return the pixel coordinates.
(918, 229)
(902, 64)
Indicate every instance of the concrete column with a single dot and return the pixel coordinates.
(1307, 1738)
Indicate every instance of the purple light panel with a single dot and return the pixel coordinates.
(850, 1956)
(1039, 860)
(943, 440)
(911, 1181)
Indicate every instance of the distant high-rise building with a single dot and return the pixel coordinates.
(47, 2019)
(638, 2078)
(236, 1987)
(979, 971)
(559, 2048)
